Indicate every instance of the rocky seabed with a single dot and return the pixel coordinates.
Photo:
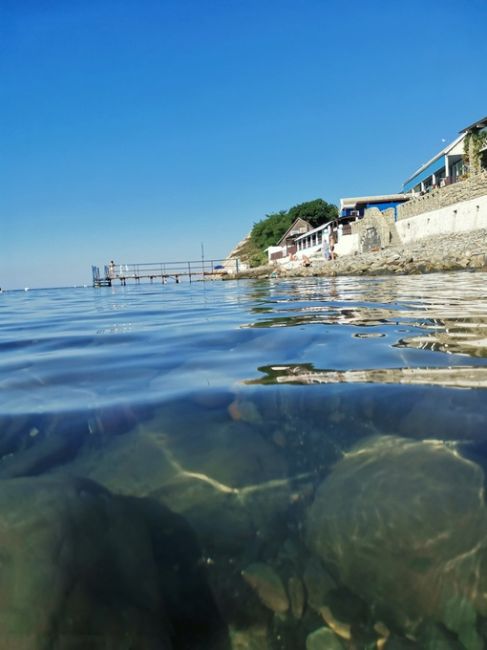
(150, 550)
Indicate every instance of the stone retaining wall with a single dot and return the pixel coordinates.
(443, 197)
(462, 217)
(376, 230)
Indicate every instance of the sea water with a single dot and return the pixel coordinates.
(270, 464)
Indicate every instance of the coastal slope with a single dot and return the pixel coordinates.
(452, 252)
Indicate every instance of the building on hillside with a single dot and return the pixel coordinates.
(311, 241)
(356, 206)
(286, 246)
(447, 166)
(443, 169)
(338, 231)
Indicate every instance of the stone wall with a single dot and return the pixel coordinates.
(376, 230)
(462, 217)
(442, 197)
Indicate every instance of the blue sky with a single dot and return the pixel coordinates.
(134, 130)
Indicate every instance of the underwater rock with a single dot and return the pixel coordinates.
(267, 505)
(231, 486)
(215, 513)
(141, 464)
(318, 583)
(133, 464)
(405, 525)
(344, 630)
(230, 452)
(73, 571)
(252, 638)
(268, 586)
(401, 643)
(40, 457)
(81, 567)
(279, 439)
(436, 637)
(244, 410)
(383, 633)
(323, 639)
(296, 596)
(290, 551)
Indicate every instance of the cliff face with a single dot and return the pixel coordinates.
(241, 251)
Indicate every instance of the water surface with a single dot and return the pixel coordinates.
(246, 465)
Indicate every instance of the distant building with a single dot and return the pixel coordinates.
(443, 169)
(311, 241)
(447, 166)
(286, 245)
(356, 206)
(339, 229)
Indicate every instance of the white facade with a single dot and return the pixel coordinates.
(347, 245)
(459, 217)
(312, 241)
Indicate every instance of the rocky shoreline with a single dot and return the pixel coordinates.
(452, 252)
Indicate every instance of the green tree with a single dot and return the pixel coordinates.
(473, 157)
(268, 231)
(315, 212)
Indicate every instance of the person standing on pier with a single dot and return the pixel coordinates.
(325, 249)
(332, 247)
(111, 269)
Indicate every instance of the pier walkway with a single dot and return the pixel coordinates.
(162, 271)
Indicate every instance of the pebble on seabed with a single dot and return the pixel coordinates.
(268, 586)
(323, 639)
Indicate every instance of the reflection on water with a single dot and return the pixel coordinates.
(297, 464)
(466, 335)
(457, 376)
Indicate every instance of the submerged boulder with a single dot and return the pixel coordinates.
(73, 569)
(405, 525)
(229, 483)
(81, 567)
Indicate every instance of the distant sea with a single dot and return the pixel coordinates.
(228, 464)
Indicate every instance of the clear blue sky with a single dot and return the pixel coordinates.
(137, 129)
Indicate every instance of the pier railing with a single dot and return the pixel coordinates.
(163, 271)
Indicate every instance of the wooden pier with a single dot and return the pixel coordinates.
(163, 272)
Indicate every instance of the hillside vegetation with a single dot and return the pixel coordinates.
(268, 231)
